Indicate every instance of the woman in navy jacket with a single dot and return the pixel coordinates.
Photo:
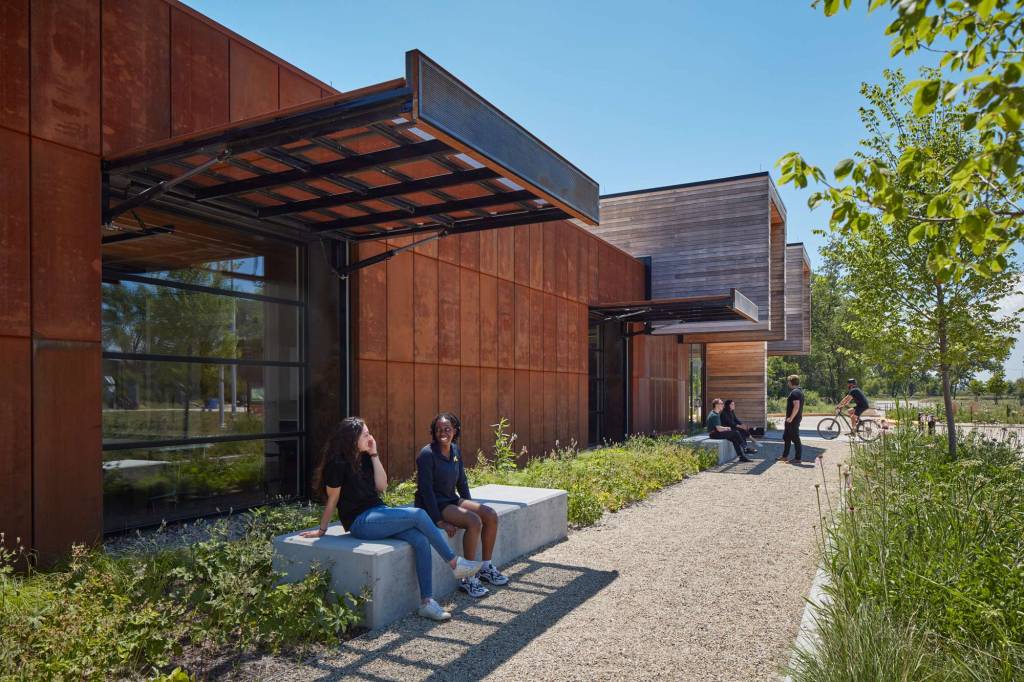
(443, 491)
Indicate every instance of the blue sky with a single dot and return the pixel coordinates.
(637, 94)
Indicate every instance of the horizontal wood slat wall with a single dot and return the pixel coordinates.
(486, 325)
(798, 305)
(737, 371)
(659, 384)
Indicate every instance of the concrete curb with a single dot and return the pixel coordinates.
(807, 638)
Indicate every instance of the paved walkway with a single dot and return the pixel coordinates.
(704, 581)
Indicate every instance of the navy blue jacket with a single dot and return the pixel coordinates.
(439, 481)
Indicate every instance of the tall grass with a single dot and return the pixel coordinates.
(926, 565)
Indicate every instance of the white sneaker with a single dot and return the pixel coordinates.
(473, 588)
(433, 611)
(464, 568)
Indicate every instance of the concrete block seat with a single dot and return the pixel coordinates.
(726, 452)
(529, 518)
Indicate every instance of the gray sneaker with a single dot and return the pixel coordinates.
(473, 588)
(492, 575)
(433, 611)
(464, 568)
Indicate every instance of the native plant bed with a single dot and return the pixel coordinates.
(204, 606)
(925, 563)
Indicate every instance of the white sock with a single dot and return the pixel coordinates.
(485, 564)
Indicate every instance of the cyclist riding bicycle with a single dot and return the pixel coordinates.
(860, 402)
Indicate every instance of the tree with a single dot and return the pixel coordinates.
(906, 320)
(1019, 385)
(974, 202)
(977, 388)
(997, 385)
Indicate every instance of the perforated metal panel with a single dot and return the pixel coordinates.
(451, 107)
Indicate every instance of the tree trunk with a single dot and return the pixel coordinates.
(947, 396)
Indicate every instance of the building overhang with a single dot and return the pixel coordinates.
(659, 316)
(420, 157)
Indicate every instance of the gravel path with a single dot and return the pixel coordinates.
(703, 581)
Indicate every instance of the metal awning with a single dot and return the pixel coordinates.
(731, 307)
(423, 156)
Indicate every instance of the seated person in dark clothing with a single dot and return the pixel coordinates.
(732, 420)
(717, 431)
(443, 491)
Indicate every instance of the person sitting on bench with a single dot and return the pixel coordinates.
(351, 476)
(717, 431)
(732, 420)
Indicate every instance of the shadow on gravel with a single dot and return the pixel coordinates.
(764, 460)
(481, 635)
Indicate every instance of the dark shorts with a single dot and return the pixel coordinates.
(859, 410)
(448, 503)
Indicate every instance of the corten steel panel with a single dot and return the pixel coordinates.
(65, 243)
(401, 414)
(67, 483)
(488, 408)
(571, 263)
(469, 316)
(506, 252)
(537, 256)
(371, 300)
(582, 270)
(424, 402)
(521, 259)
(296, 90)
(550, 333)
(199, 75)
(469, 250)
(506, 323)
(448, 299)
(448, 249)
(506, 394)
(561, 256)
(400, 307)
(15, 275)
(488, 321)
(424, 296)
(16, 436)
(371, 389)
(522, 325)
(449, 389)
(471, 435)
(521, 408)
(254, 83)
(550, 256)
(428, 249)
(561, 340)
(489, 252)
(550, 425)
(136, 74)
(593, 271)
(65, 63)
(14, 65)
(536, 329)
(536, 439)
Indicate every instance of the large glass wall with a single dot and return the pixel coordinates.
(203, 374)
(696, 388)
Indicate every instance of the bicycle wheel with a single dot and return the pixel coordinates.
(868, 430)
(829, 428)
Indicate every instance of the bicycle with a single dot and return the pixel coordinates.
(868, 429)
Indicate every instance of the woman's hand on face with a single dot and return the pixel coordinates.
(313, 533)
(372, 446)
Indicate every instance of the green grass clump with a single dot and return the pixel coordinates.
(926, 564)
(599, 480)
(101, 616)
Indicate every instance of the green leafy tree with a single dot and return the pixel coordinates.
(907, 321)
(974, 200)
(1019, 389)
(977, 388)
(997, 385)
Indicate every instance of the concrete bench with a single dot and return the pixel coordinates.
(529, 518)
(726, 452)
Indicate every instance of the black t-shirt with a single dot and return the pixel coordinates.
(795, 394)
(730, 419)
(859, 399)
(358, 492)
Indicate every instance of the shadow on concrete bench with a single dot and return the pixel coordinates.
(529, 518)
(726, 452)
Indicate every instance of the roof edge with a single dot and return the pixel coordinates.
(682, 185)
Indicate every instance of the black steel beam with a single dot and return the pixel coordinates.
(469, 225)
(128, 236)
(246, 138)
(422, 211)
(352, 164)
(397, 189)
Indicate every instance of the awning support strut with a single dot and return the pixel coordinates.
(161, 188)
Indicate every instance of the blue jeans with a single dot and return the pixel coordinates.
(412, 525)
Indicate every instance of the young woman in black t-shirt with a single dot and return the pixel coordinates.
(351, 476)
(443, 492)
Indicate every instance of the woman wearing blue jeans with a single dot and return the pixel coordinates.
(352, 477)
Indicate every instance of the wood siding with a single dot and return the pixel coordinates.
(660, 366)
(737, 371)
(798, 304)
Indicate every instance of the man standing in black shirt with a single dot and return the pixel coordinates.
(794, 413)
(860, 402)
